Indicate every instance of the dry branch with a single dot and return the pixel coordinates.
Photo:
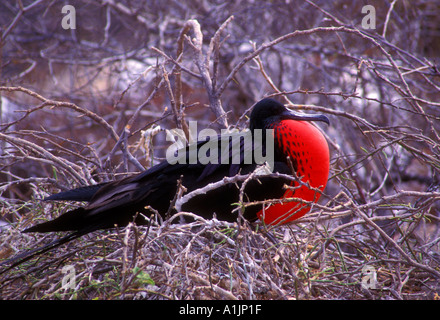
(380, 89)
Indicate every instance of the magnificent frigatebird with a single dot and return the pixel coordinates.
(298, 150)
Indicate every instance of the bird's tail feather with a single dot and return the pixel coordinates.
(79, 194)
(69, 221)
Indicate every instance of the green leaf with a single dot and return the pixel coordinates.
(143, 277)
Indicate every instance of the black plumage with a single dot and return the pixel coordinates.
(120, 202)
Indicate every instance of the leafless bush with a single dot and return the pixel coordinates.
(83, 100)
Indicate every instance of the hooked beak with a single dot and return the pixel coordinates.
(293, 115)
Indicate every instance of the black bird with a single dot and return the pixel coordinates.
(119, 202)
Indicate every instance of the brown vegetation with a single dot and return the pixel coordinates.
(76, 104)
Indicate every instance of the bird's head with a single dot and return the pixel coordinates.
(268, 111)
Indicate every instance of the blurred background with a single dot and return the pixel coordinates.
(77, 104)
